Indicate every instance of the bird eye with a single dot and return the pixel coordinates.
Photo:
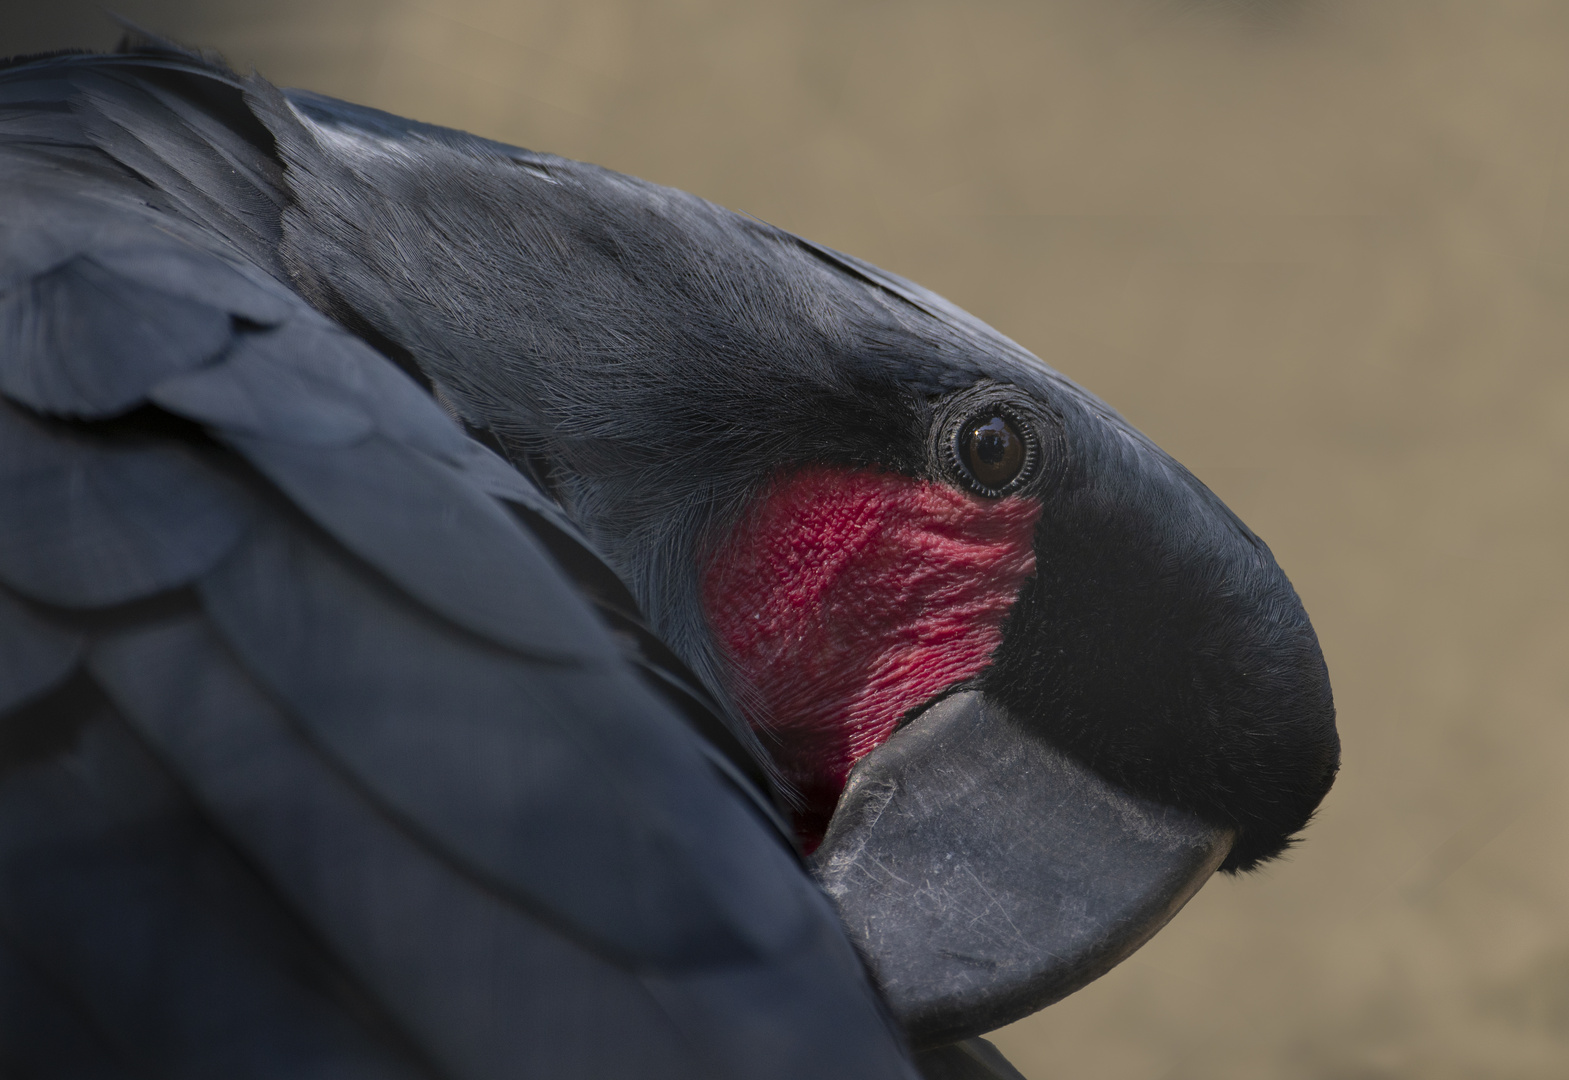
(988, 438)
(992, 450)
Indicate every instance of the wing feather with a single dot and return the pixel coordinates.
(313, 759)
(114, 890)
(479, 980)
(35, 654)
(91, 520)
(43, 1033)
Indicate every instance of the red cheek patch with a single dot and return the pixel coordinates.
(850, 596)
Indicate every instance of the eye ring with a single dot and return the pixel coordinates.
(986, 444)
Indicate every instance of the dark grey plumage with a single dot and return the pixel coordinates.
(315, 761)
(358, 709)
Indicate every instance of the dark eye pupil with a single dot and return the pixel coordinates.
(993, 451)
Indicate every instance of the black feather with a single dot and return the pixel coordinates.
(35, 654)
(447, 543)
(482, 984)
(43, 1032)
(334, 794)
(92, 520)
(115, 891)
(82, 340)
(516, 766)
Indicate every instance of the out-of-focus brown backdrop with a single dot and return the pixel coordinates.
(1318, 250)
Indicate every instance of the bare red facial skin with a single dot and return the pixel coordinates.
(848, 597)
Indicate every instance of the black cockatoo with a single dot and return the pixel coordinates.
(467, 613)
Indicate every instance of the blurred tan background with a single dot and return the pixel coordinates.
(1318, 250)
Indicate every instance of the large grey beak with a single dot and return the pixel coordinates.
(984, 874)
